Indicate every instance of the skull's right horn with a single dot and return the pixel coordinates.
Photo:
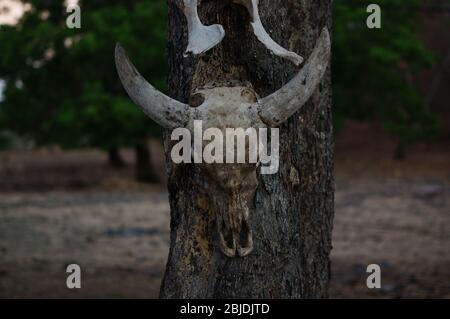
(281, 105)
(164, 110)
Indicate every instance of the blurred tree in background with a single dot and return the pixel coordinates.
(61, 84)
(373, 69)
(62, 87)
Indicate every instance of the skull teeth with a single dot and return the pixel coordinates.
(235, 234)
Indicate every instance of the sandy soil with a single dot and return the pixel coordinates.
(401, 225)
(121, 241)
(394, 215)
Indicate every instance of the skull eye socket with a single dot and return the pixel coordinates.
(249, 95)
(196, 100)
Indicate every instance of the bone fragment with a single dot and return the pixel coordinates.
(201, 38)
(263, 36)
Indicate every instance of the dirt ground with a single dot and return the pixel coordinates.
(58, 208)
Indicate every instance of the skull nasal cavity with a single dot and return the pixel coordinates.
(227, 234)
(197, 100)
(244, 234)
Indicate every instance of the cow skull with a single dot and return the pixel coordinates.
(233, 106)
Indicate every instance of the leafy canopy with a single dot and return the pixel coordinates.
(372, 68)
(61, 83)
(62, 86)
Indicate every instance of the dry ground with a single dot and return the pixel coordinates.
(389, 213)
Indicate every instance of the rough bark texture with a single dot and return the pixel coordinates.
(292, 211)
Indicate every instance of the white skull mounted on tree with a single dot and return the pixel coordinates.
(235, 105)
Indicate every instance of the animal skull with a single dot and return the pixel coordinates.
(224, 107)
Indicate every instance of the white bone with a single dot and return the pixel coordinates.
(282, 104)
(167, 112)
(227, 251)
(263, 36)
(201, 38)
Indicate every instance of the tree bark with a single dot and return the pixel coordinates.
(292, 213)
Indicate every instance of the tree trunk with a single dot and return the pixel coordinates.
(400, 151)
(144, 168)
(293, 210)
(114, 158)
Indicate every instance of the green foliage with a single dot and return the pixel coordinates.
(5, 142)
(62, 86)
(61, 83)
(372, 68)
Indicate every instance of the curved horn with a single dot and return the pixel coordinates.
(281, 105)
(164, 110)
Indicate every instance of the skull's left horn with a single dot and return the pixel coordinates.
(164, 110)
(281, 105)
